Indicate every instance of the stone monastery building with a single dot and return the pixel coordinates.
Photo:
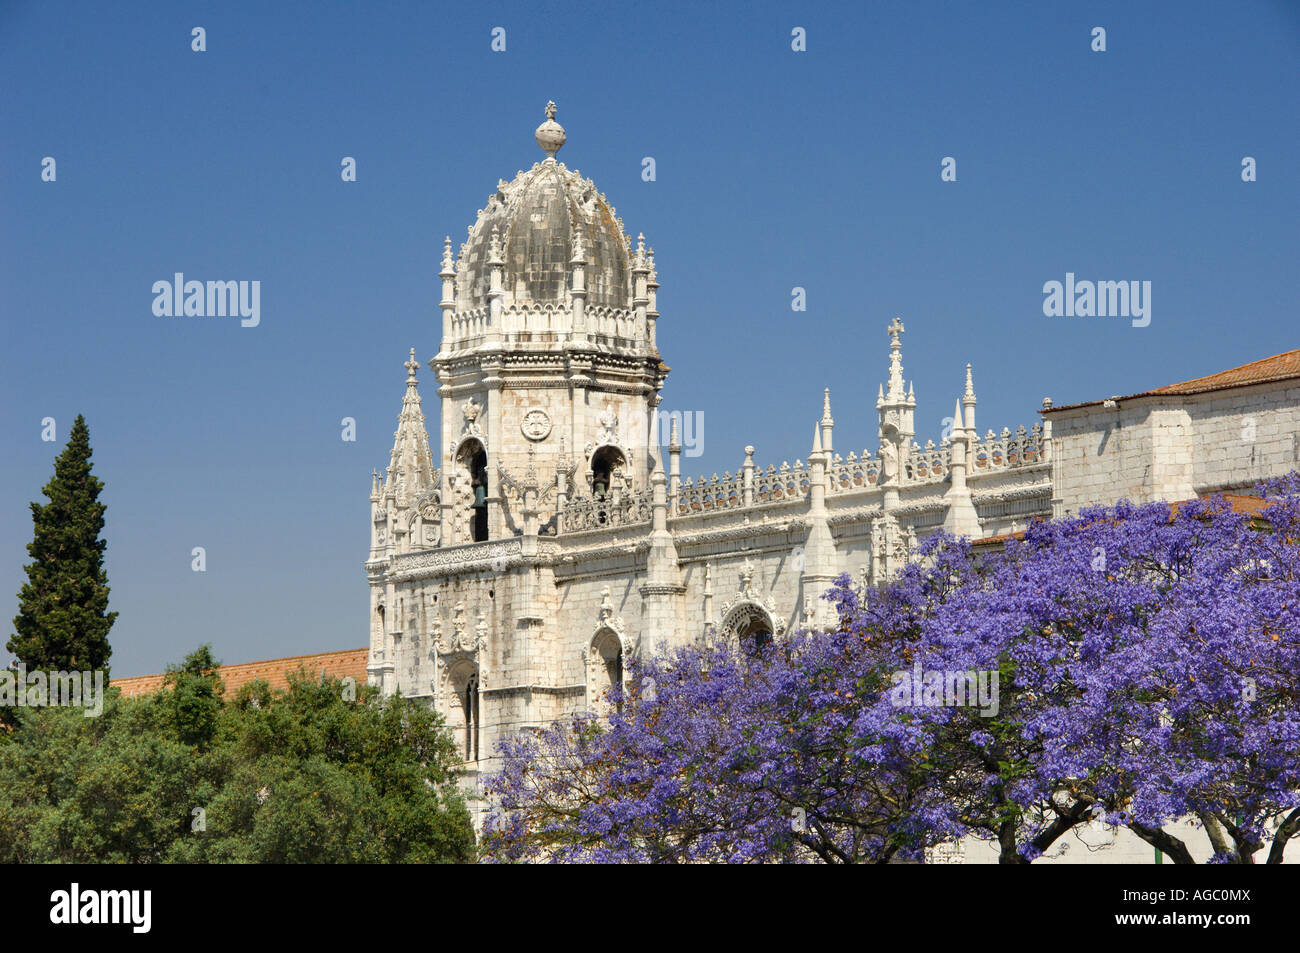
(548, 537)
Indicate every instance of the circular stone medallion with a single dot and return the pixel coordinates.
(536, 424)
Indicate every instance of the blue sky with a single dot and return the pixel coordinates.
(775, 169)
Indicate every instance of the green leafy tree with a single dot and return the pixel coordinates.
(63, 618)
(186, 775)
(305, 776)
(194, 697)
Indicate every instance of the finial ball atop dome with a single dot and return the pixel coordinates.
(550, 134)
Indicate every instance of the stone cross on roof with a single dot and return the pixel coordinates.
(895, 329)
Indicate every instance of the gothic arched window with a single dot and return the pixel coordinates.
(756, 637)
(605, 660)
(471, 705)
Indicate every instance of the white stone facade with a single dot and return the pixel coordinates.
(549, 537)
(1174, 447)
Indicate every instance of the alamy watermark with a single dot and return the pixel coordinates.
(23, 689)
(212, 299)
(1100, 299)
(688, 425)
(933, 688)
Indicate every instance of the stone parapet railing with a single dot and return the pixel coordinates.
(471, 327)
(580, 515)
(755, 486)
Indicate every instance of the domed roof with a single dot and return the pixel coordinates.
(536, 218)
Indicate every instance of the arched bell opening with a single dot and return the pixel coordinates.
(472, 460)
(606, 463)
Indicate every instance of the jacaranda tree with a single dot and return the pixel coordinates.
(1132, 666)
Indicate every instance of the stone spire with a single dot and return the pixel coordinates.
(818, 570)
(962, 519)
(578, 287)
(827, 422)
(968, 403)
(896, 407)
(448, 302)
(550, 134)
(496, 289)
(640, 289)
(652, 307)
(410, 470)
(896, 392)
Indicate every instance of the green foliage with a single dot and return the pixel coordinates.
(195, 690)
(63, 618)
(298, 776)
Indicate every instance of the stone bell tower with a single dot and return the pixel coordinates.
(548, 366)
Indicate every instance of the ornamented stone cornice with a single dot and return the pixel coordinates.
(662, 589)
(457, 560)
(1009, 494)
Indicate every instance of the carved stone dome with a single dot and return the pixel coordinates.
(536, 218)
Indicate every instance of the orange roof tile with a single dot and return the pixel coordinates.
(1000, 538)
(1239, 502)
(349, 662)
(1279, 367)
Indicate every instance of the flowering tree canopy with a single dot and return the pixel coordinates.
(1130, 666)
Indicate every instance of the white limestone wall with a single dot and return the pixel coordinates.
(1174, 448)
(1245, 435)
(1101, 455)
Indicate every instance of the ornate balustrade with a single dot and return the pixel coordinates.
(585, 514)
(601, 323)
(856, 473)
(1008, 451)
(701, 496)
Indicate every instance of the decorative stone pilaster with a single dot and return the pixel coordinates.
(578, 291)
(496, 293)
(448, 302)
(674, 469)
(891, 547)
(827, 425)
(661, 595)
(961, 519)
(493, 381)
(652, 308)
(640, 298)
(818, 571)
(748, 479)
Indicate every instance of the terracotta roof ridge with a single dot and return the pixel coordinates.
(234, 665)
(1228, 379)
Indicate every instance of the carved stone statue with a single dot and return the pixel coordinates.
(609, 426)
(889, 461)
(472, 410)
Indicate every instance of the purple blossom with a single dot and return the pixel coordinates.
(1146, 659)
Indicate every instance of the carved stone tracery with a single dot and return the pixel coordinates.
(748, 611)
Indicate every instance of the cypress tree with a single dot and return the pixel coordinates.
(63, 618)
